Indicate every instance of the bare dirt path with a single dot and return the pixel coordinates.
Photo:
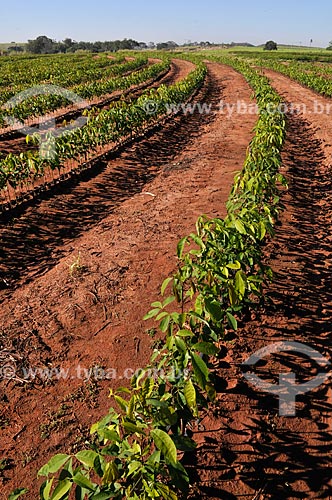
(125, 222)
(246, 449)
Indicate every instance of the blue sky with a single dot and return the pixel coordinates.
(285, 21)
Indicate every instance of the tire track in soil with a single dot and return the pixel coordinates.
(96, 317)
(246, 450)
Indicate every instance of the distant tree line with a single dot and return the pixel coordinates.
(44, 45)
(15, 48)
(166, 45)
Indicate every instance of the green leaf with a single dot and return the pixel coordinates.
(148, 386)
(83, 482)
(199, 304)
(180, 344)
(239, 226)
(45, 489)
(232, 295)
(165, 492)
(68, 467)
(121, 402)
(167, 416)
(110, 435)
(168, 301)
(87, 457)
(190, 394)
(261, 230)
(61, 490)
(17, 493)
(206, 348)
(201, 371)
(225, 272)
(231, 320)
(165, 444)
(157, 305)
(154, 458)
(124, 390)
(215, 309)
(162, 315)
(164, 324)
(132, 428)
(240, 283)
(165, 285)
(180, 247)
(111, 473)
(185, 333)
(131, 407)
(197, 240)
(156, 403)
(151, 314)
(234, 265)
(134, 466)
(53, 465)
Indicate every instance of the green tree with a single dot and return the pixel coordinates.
(170, 45)
(271, 45)
(42, 45)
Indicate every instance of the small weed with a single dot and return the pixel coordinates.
(151, 332)
(5, 464)
(76, 268)
(27, 457)
(55, 421)
(3, 421)
(86, 393)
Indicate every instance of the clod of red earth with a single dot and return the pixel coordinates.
(86, 262)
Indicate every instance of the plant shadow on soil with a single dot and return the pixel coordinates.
(33, 234)
(288, 457)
